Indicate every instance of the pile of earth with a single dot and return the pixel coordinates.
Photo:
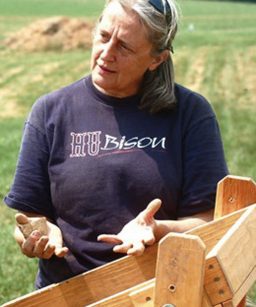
(55, 33)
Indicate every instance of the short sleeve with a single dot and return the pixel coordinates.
(204, 162)
(30, 191)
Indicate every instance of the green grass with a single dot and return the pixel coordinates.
(16, 271)
(42, 8)
(215, 54)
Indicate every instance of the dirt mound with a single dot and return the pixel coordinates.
(55, 33)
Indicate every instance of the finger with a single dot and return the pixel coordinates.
(18, 236)
(28, 245)
(21, 218)
(151, 209)
(122, 248)
(113, 239)
(48, 252)
(40, 246)
(61, 251)
(149, 238)
(154, 206)
(137, 249)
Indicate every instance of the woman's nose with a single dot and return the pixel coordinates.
(108, 51)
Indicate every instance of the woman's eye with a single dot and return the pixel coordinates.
(125, 48)
(104, 37)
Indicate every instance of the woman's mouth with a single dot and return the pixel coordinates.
(105, 69)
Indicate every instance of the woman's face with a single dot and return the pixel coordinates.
(121, 53)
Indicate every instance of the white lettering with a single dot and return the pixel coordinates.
(110, 143)
(155, 143)
(93, 143)
(146, 144)
(77, 145)
(131, 143)
(88, 143)
(121, 143)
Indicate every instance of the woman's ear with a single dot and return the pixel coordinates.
(159, 59)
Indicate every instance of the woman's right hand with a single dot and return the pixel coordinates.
(37, 244)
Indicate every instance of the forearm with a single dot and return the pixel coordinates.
(183, 224)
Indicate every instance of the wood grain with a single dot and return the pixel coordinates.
(180, 271)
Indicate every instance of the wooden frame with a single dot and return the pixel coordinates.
(154, 280)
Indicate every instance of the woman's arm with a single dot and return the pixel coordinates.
(182, 224)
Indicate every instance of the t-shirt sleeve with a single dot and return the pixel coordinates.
(203, 158)
(30, 191)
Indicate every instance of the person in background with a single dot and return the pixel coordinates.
(120, 158)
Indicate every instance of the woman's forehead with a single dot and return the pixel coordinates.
(126, 20)
(114, 12)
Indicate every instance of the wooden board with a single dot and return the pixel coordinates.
(144, 297)
(94, 285)
(140, 295)
(215, 283)
(230, 263)
(234, 193)
(180, 271)
(206, 302)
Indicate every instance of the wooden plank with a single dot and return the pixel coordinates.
(141, 294)
(232, 260)
(234, 193)
(215, 283)
(238, 246)
(94, 285)
(206, 302)
(228, 304)
(116, 276)
(143, 297)
(213, 231)
(242, 303)
(49, 296)
(180, 271)
(244, 288)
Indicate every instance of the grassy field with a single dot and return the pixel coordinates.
(215, 54)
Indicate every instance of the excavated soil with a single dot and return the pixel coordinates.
(55, 33)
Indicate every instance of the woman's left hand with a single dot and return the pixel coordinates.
(138, 233)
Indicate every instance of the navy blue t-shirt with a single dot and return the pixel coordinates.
(91, 163)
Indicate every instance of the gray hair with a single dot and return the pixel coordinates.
(157, 89)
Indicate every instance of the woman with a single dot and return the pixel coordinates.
(120, 158)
